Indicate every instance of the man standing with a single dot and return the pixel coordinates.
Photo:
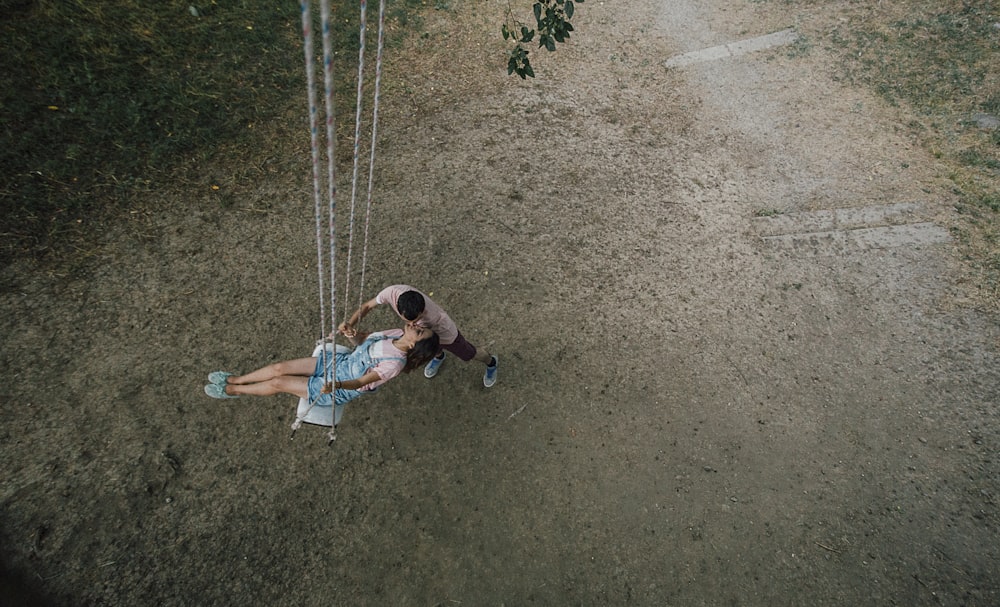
(416, 308)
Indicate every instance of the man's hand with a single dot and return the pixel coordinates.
(347, 329)
(352, 334)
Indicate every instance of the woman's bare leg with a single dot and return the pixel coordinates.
(298, 366)
(283, 384)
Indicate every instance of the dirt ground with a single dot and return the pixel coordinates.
(739, 363)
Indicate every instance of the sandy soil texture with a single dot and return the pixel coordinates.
(736, 367)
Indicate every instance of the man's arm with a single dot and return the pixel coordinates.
(350, 327)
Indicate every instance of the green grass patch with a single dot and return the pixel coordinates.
(101, 99)
(934, 60)
(937, 59)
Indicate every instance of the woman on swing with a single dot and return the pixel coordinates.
(380, 357)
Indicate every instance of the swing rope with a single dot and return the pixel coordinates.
(314, 145)
(307, 27)
(329, 360)
(331, 138)
(357, 145)
(371, 162)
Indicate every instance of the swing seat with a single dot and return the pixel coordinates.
(318, 414)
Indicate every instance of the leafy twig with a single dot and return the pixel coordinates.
(552, 21)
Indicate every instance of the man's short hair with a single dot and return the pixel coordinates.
(410, 305)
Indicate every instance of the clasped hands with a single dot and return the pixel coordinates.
(351, 332)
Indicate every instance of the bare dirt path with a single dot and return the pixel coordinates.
(734, 369)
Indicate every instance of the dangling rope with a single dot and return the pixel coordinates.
(307, 27)
(357, 145)
(371, 162)
(330, 367)
(314, 141)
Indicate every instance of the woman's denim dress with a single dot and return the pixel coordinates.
(351, 364)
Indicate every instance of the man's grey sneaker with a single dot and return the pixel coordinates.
(219, 377)
(432, 367)
(217, 391)
(490, 377)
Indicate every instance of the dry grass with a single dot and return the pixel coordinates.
(106, 100)
(936, 59)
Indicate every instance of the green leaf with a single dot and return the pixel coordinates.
(553, 27)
